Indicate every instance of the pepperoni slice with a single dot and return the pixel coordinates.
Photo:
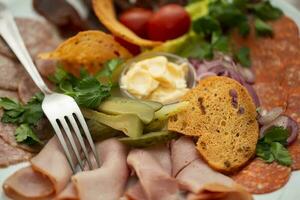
(294, 150)
(292, 74)
(260, 177)
(271, 95)
(293, 104)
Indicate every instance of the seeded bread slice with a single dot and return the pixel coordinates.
(222, 114)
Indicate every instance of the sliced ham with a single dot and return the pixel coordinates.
(199, 179)
(183, 152)
(109, 181)
(51, 163)
(35, 184)
(69, 193)
(154, 179)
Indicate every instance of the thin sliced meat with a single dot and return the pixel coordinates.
(9, 94)
(183, 152)
(27, 88)
(5, 50)
(109, 181)
(192, 180)
(136, 192)
(69, 193)
(46, 67)
(49, 160)
(294, 150)
(259, 177)
(292, 73)
(162, 154)
(10, 73)
(7, 132)
(152, 176)
(271, 94)
(10, 155)
(51, 163)
(35, 184)
(293, 108)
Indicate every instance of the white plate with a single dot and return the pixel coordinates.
(290, 191)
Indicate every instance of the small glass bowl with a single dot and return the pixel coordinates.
(190, 75)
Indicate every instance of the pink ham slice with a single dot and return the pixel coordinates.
(109, 181)
(196, 177)
(156, 182)
(50, 164)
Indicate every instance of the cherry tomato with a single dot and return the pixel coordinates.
(169, 22)
(132, 48)
(136, 20)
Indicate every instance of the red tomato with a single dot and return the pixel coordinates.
(132, 48)
(136, 20)
(169, 22)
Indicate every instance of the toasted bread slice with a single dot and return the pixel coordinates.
(222, 114)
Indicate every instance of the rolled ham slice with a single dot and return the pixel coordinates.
(155, 181)
(197, 178)
(49, 166)
(109, 181)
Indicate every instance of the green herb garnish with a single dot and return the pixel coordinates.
(27, 116)
(223, 17)
(243, 56)
(272, 146)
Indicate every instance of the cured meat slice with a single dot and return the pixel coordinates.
(162, 154)
(271, 94)
(7, 132)
(294, 150)
(10, 73)
(292, 74)
(51, 163)
(183, 152)
(11, 155)
(9, 94)
(69, 193)
(109, 181)
(293, 108)
(152, 176)
(259, 177)
(27, 89)
(35, 184)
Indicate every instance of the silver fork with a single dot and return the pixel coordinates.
(61, 110)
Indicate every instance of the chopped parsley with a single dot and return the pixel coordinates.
(272, 146)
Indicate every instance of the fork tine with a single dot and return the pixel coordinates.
(71, 140)
(88, 135)
(63, 144)
(80, 139)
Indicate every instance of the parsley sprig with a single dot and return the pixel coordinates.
(227, 15)
(272, 146)
(25, 116)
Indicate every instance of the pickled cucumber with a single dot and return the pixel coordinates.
(169, 110)
(100, 131)
(129, 124)
(117, 105)
(149, 139)
(156, 125)
(153, 104)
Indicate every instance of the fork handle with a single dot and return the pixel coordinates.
(10, 33)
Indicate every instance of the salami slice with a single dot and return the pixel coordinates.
(10, 73)
(293, 104)
(259, 177)
(271, 94)
(294, 150)
(292, 74)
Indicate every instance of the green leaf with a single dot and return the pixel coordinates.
(206, 25)
(262, 28)
(9, 104)
(243, 56)
(263, 151)
(25, 134)
(281, 154)
(276, 134)
(265, 11)
(59, 75)
(221, 44)
(109, 68)
(244, 28)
